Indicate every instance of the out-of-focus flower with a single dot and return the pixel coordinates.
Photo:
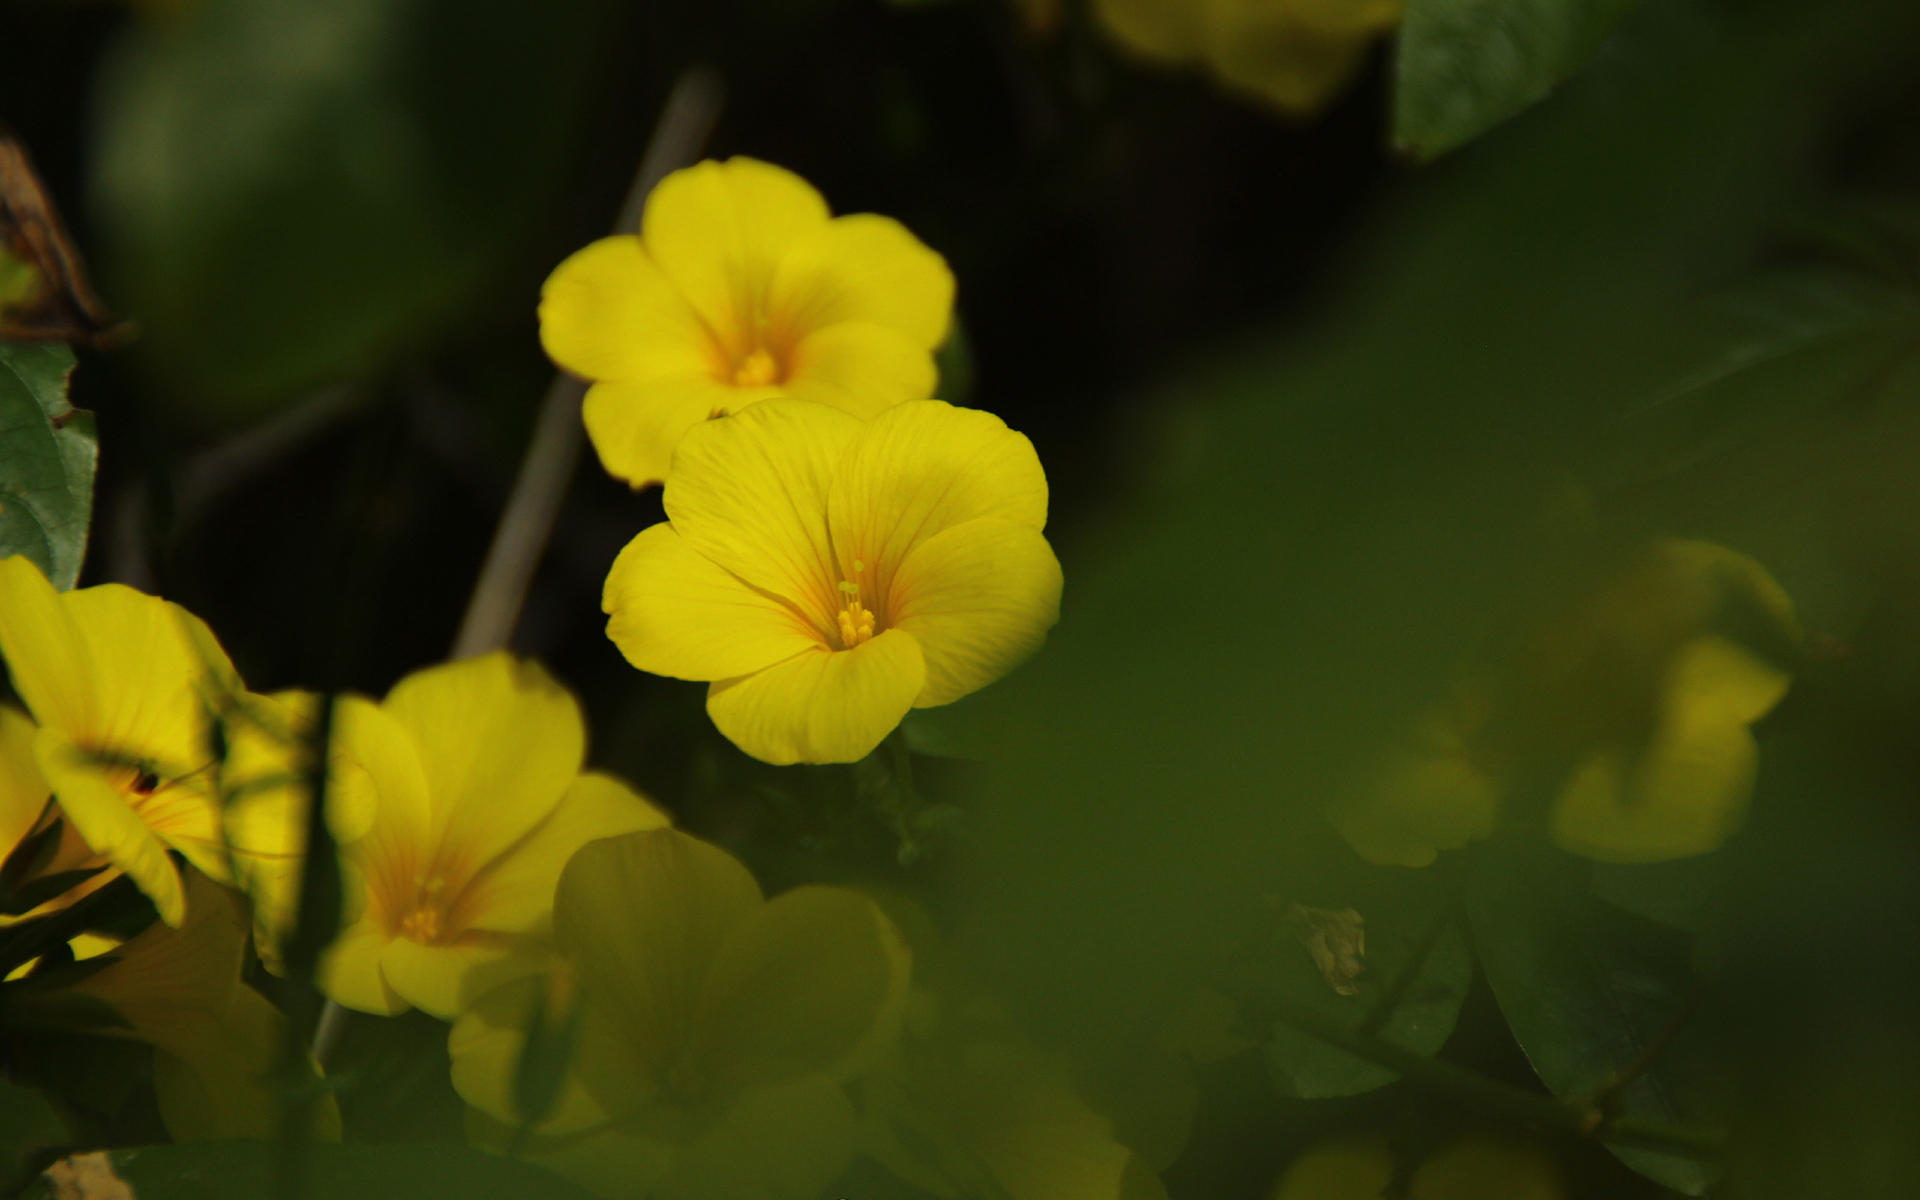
(824, 576)
(1356, 1168)
(1362, 1168)
(113, 678)
(741, 286)
(715, 1029)
(216, 1041)
(481, 802)
(1294, 55)
(1640, 702)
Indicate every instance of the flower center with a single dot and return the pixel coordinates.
(857, 621)
(757, 369)
(421, 925)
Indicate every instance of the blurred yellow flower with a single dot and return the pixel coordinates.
(1350, 1168)
(1475, 1168)
(715, 1028)
(1640, 701)
(824, 576)
(216, 1041)
(114, 679)
(481, 801)
(1294, 55)
(741, 286)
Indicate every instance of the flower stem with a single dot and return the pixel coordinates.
(520, 539)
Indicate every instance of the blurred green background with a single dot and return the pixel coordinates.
(1321, 421)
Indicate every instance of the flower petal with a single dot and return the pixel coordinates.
(23, 788)
(516, 895)
(824, 705)
(441, 981)
(609, 312)
(636, 427)
(609, 1162)
(389, 860)
(350, 975)
(979, 598)
(485, 1046)
(750, 493)
(1289, 62)
(800, 987)
(673, 612)
(861, 368)
(641, 917)
(922, 467)
(867, 268)
(1688, 791)
(1154, 29)
(791, 1140)
(499, 741)
(718, 229)
(100, 812)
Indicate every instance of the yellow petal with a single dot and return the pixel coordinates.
(441, 981)
(1345, 1169)
(608, 312)
(642, 916)
(788, 1141)
(386, 864)
(719, 229)
(824, 705)
(860, 368)
(1479, 1167)
(1422, 798)
(750, 493)
(499, 741)
(635, 427)
(23, 788)
(979, 598)
(1293, 64)
(920, 468)
(1160, 30)
(485, 1046)
(1688, 791)
(865, 268)
(108, 666)
(99, 811)
(673, 612)
(350, 972)
(800, 987)
(516, 894)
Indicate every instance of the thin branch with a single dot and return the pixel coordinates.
(521, 537)
(1606, 1099)
(1390, 1000)
(1498, 1098)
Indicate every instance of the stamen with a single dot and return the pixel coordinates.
(857, 622)
(757, 369)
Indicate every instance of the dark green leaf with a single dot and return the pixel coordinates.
(1586, 988)
(1467, 65)
(1397, 932)
(294, 189)
(245, 1170)
(47, 456)
(28, 1124)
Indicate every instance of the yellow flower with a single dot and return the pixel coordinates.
(714, 1030)
(1362, 1168)
(740, 286)
(1639, 702)
(1294, 55)
(114, 679)
(27, 812)
(481, 802)
(824, 576)
(216, 1041)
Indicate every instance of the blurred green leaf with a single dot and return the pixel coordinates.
(47, 456)
(1586, 989)
(28, 1124)
(1464, 66)
(245, 1170)
(294, 189)
(1409, 927)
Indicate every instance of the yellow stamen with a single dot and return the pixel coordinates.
(856, 620)
(757, 369)
(421, 925)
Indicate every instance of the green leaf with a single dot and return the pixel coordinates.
(294, 190)
(247, 1170)
(47, 456)
(28, 1124)
(1586, 987)
(1409, 926)
(1467, 65)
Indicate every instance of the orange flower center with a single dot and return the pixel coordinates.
(421, 925)
(758, 369)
